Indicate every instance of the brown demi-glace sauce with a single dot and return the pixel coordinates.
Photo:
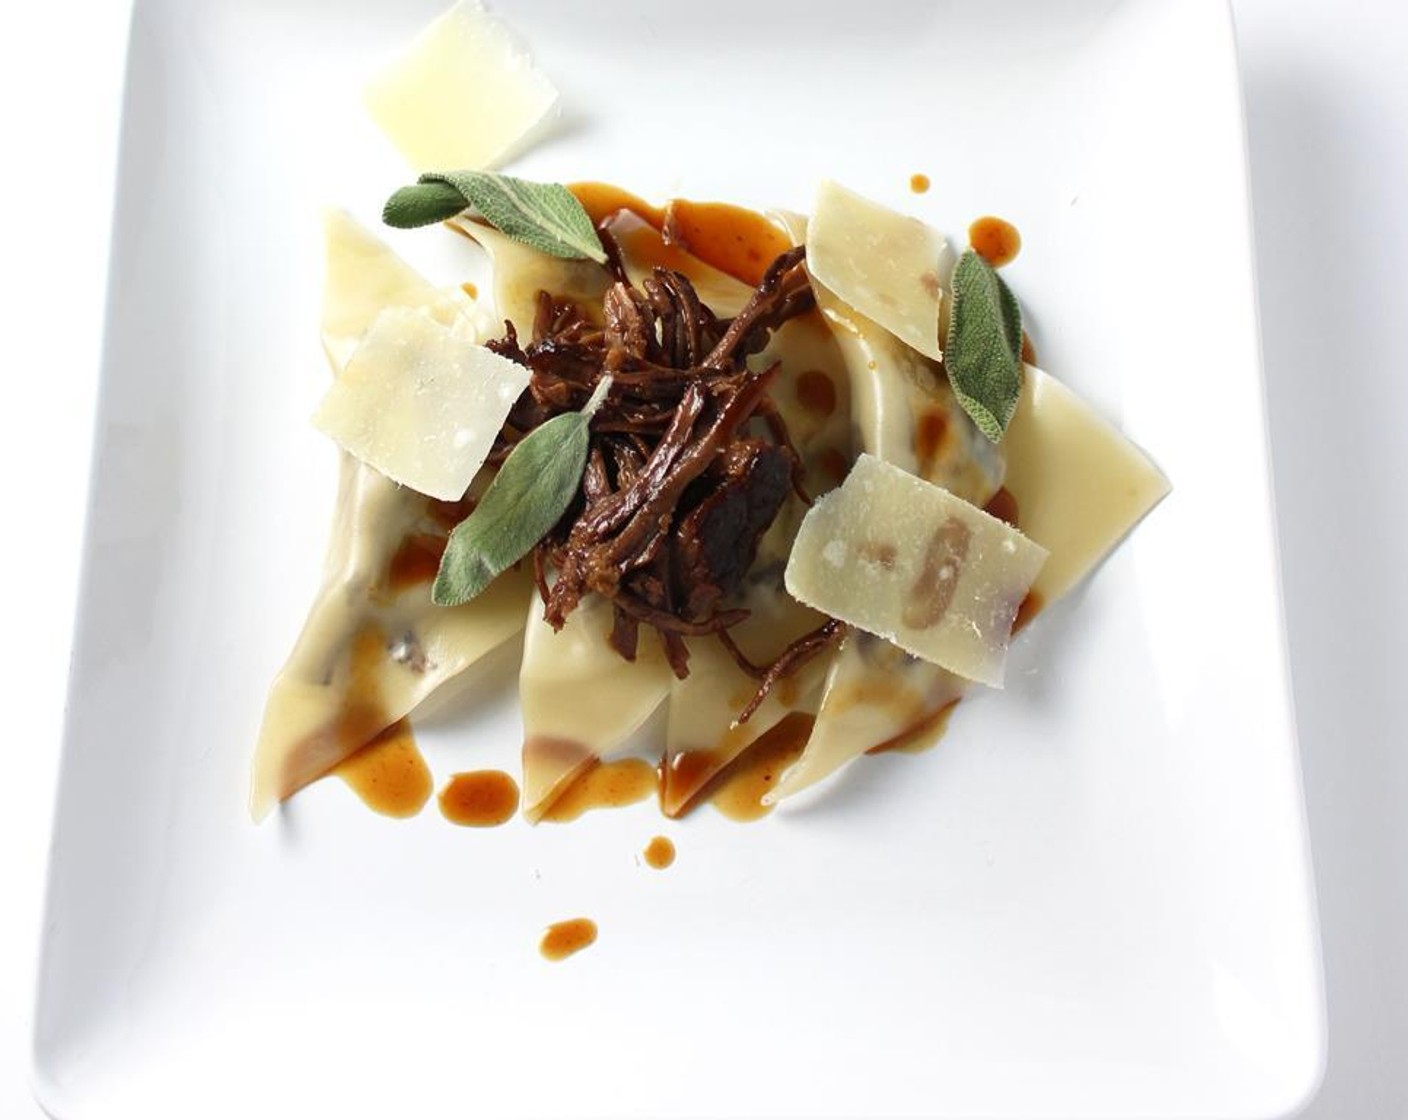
(1003, 506)
(995, 240)
(389, 774)
(659, 853)
(738, 789)
(416, 561)
(816, 392)
(731, 238)
(562, 939)
(479, 799)
(606, 785)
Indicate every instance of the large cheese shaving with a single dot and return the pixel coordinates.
(889, 267)
(421, 401)
(463, 95)
(909, 562)
(1080, 485)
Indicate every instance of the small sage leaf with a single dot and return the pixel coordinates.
(423, 204)
(531, 492)
(983, 353)
(544, 216)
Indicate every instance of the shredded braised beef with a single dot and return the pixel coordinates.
(681, 482)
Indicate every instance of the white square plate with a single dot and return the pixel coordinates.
(1093, 899)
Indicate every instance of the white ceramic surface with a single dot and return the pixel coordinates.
(1092, 900)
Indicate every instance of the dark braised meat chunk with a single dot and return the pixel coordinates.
(689, 461)
(717, 541)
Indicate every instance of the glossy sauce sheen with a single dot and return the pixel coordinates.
(607, 785)
(389, 774)
(562, 939)
(731, 238)
(417, 561)
(660, 852)
(995, 240)
(480, 799)
(738, 792)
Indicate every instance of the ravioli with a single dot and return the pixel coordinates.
(374, 645)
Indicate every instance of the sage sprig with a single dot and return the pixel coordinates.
(529, 495)
(983, 352)
(544, 216)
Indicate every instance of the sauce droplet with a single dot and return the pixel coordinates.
(389, 774)
(480, 799)
(660, 852)
(995, 240)
(606, 785)
(470, 289)
(562, 939)
(919, 183)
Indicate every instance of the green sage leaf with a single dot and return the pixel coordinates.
(544, 216)
(983, 353)
(531, 492)
(423, 204)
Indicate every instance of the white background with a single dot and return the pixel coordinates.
(1327, 114)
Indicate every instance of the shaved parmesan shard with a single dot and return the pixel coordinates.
(374, 645)
(421, 402)
(889, 267)
(1080, 484)
(581, 699)
(362, 278)
(464, 95)
(909, 562)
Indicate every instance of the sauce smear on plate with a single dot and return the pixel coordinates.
(389, 774)
(562, 939)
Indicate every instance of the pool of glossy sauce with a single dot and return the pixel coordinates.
(730, 238)
(479, 799)
(606, 785)
(562, 939)
(738, 790)
(389, 774)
